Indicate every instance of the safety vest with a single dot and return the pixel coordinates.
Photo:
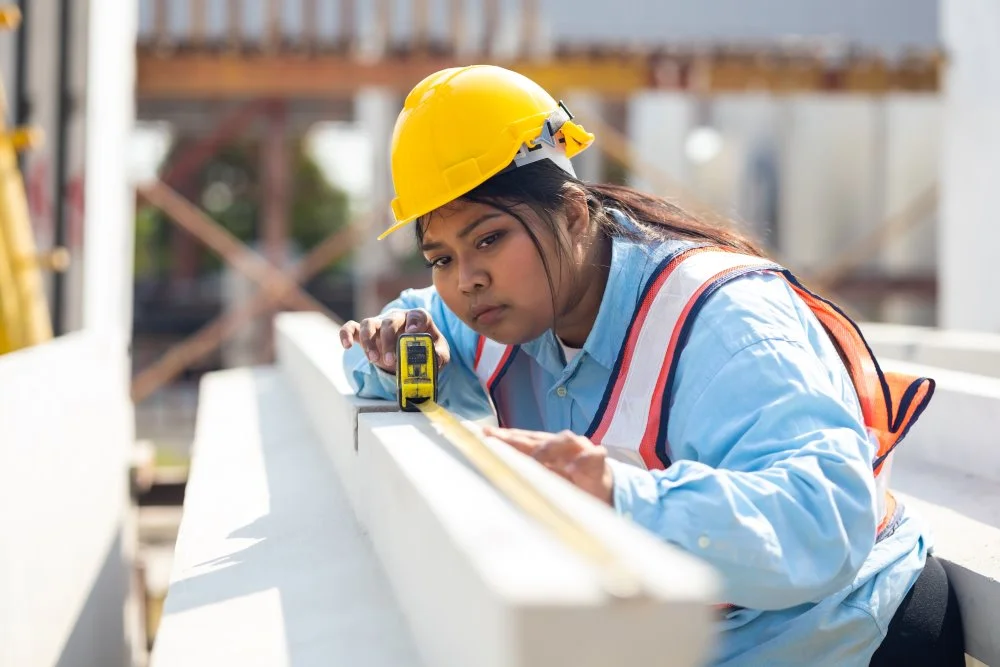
(631, 422)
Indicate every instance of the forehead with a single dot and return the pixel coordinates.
(447, 221)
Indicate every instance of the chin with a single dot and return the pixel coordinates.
(507, 335)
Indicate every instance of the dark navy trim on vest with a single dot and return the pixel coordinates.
(619, 361)
(682, 336)
(496, 382)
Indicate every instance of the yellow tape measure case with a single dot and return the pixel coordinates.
(416, 371)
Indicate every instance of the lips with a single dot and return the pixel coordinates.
(486, 314)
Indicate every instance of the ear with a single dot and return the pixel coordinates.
(576, 211)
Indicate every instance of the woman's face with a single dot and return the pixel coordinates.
(488, 271)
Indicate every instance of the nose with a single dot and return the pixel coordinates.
(471, 277)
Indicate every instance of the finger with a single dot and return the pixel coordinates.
(442, 351)
(559, 451)
(535, 436)
(590, 471)
(349, 333)
(387, 335)
(521, 444)
(369, 341)
(418, 320)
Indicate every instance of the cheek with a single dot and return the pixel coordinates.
(520, 277)
(447, 290)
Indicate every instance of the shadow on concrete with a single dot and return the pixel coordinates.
(98, 636)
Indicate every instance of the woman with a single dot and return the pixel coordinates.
(661, 363)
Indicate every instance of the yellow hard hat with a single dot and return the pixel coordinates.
(462, 125)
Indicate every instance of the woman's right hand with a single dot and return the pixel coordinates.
(377, 336)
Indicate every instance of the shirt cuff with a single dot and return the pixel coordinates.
(635, 493)
(385, 378)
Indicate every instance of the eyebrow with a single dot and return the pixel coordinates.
(468, 229)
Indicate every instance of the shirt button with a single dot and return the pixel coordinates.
(703, 542)
(561, 392)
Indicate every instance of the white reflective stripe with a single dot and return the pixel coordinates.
(556, 153)
(628, 423)
(628, 456)
(489, 360)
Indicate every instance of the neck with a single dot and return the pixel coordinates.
(577, 319)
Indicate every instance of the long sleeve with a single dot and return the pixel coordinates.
(458, 387)
(772, 480)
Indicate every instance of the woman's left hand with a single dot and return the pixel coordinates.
(567, 454)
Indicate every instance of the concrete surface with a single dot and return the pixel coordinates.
(65, 434)
(963, 512)
(306, 502)
(958, 430)
(270, 566)
(948, 469)
(507, 592)
(968, 351)
(308, 349)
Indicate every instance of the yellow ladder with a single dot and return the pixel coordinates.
(24, 313)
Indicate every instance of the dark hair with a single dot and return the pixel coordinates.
(542, 187)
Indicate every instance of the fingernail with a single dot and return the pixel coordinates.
(411, 327)
(389, 357)
(373, 355)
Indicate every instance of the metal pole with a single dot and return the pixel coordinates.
(62, 147)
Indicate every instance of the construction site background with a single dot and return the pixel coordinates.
(262, 130)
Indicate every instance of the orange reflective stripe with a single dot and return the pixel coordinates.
(890, 512)
(909, 396)
(857, 359)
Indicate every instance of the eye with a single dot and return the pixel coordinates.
(489, 240)
(437, 262)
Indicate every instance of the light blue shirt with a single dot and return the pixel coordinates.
(771, 481)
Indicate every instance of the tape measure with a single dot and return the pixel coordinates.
(416, 375)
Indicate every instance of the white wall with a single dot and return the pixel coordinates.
(657, 125)
(913, 157)
(969, 234)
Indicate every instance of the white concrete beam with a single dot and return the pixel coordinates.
(64, 448)
(967, 351)
(308, 349)
(270, 565)
(478, 581)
